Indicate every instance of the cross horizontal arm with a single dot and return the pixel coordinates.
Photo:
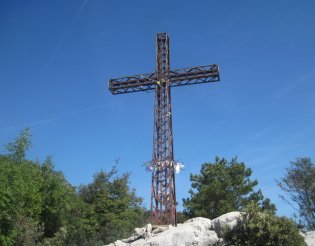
(140, 82)
(177, 77)
(194, 75)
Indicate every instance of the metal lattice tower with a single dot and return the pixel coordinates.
(163, 196)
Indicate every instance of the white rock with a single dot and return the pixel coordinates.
(160, 229)
(224, 222)
(310, 238)
(194, 232)
(143, 232)
(118, 243)
(130, 239)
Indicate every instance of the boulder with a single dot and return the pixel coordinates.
(118, 243)
(144, 232)
(160, 229)
(193, 232)
(226, 221)
(309, 238)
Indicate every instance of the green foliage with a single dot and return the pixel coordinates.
(27, 191)
(181, 217)
(58, 197)
(20, 184)
(257, 227)
(299, 184)
(222, 187)
(28, 231)
(114, 210)
(39, 207)
(17, 149)
(35, 200)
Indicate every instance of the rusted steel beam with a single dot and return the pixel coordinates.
(177, 77)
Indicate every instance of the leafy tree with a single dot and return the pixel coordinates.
(29, 232)
(36, 201)
(17, 149)
(20, 199)
(299, 184)
(114, 209)
(39, 207)
(258, 227)
(60, 201)
(221, 187)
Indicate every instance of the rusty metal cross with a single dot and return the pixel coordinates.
(163, 196)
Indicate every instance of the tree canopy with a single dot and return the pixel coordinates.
(298, 184)
(18, 148)
(221, 187)
(114, 210)
(39, 207)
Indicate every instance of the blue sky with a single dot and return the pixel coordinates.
(57, 56)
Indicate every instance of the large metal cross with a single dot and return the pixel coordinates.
(163, 196)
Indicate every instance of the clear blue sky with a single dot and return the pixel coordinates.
(57, 56)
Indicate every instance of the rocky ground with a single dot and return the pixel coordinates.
(197, 231)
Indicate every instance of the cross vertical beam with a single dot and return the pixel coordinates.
(163, 198)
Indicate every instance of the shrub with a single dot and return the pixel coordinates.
(256, 227)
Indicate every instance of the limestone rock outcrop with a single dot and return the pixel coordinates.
(194, 232)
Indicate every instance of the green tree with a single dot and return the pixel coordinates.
(258, 227)
(20, 199)
(60, 200)
(39, 207)
(114, 209)
(221, 187)
(17, 149)
(299, 185)
(36, 202)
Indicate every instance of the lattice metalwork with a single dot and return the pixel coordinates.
(177, 77)
(163, 196)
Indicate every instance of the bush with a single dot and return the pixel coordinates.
(263, 228)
